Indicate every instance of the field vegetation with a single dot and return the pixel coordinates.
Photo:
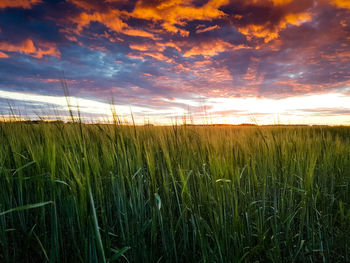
(73, 192)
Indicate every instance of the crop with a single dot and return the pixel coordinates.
(74, 192)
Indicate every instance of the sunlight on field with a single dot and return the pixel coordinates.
(155, 194)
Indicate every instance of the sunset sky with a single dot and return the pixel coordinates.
(218, 61)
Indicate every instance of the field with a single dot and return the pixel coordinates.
(103, 193)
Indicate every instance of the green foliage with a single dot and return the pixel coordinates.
(105, 193)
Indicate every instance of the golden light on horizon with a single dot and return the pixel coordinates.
(292, 110)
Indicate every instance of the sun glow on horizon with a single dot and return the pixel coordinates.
(329, 109)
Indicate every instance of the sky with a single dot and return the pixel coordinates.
(166, 61)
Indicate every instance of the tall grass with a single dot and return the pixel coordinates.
(103, 193)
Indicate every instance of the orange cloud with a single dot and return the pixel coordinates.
(206, 29)
(267, 2)
(173, 13)
(170, 44)
(84, 4)
(269, 32)
(212, 48)
(281, 2)
(138, 33)
(18, 3)
(341, 3)
(48, 49)
(172, 16)
(112, 19)
(158, 56)
(3, 55)
(206, 49)
(139, 47)
(27, 47)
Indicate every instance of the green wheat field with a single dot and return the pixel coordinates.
(73, 192)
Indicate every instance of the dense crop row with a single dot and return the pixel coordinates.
(98, 193)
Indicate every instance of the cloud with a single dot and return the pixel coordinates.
(255, 19)
(18, 3)
(172, 14)
(265, 19)
(269, 32)
(166, 53)
(212, 48)
(200, 29)
(112, 20)
(155, 50)
(327, 111)
(3, 55)
(281, 2)
(27, 47)
(341, 3)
